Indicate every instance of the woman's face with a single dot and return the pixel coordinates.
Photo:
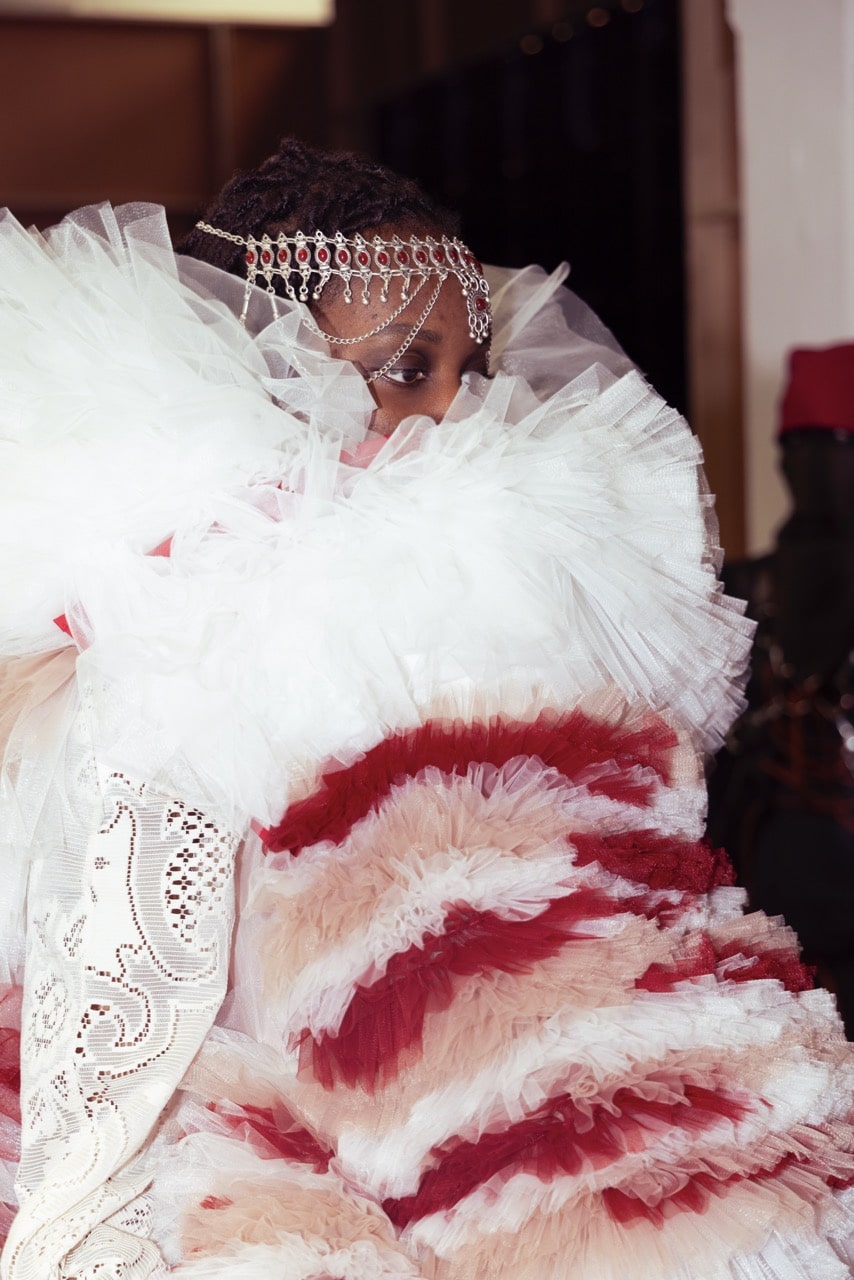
(426, 377)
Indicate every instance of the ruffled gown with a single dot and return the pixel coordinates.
(431, 711)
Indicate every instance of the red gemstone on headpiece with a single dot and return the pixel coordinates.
(382, 258)
(420, 257)
(322, 254)
(251, 257)
(402, 257)
(284, 256)
(342, 257)
(453, 256)
(266, 257)
(438, 255)
(363, 259)
(480, 303)
(303, 254)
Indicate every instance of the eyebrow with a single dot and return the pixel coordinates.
(431, 335)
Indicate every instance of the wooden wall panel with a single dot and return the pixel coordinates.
(279, 87)
(104, 110)
(147, 111)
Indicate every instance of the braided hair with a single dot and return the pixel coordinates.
(302, 188)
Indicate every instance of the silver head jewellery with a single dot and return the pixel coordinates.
(305, 264)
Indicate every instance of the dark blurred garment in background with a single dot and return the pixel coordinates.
(781, 794)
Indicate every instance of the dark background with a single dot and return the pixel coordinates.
(567, 146)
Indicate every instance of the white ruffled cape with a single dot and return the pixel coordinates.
(554, 527)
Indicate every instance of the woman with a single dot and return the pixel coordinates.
(433, 656)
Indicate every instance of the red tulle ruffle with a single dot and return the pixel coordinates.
(387, 1017)
(563, 1138)
(696, 1192)
(662, 862)
(739, 961)
(604, 757)
(283, 1135)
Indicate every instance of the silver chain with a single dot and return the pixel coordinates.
(409, 339)
(372, 333)
(223, 235)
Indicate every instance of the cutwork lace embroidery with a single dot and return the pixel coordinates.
(126, 968)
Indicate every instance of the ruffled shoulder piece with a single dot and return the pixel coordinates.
(180, 494)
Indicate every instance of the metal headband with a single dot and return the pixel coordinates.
(306, 263)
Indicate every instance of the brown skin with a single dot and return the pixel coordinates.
(427, 376)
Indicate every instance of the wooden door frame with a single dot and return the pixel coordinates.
(713, 258)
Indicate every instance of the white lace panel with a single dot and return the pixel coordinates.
(126, 967)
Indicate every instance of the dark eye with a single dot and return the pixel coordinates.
(404, 375)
